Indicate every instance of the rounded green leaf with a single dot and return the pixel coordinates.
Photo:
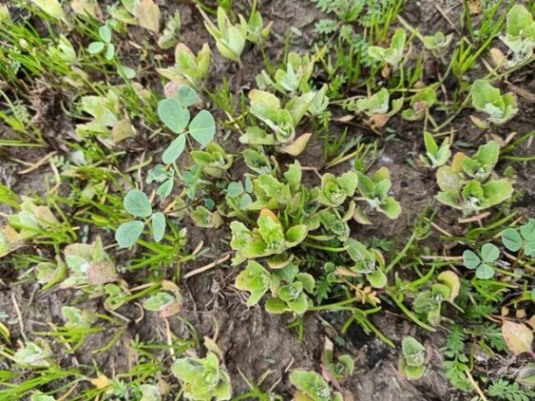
(128, 233)
(95, 47)
(137, 203)
(489, 252)
(158, 226)
(173, 115)
(105, 34)
(174, 150)
(202, 127)
(512, 239)
(484, 272)
(470, 259)
(187, 96)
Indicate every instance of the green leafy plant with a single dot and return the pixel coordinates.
(189, 68)
(377, 106)
(488, 99)
(104, 45)
(522, 238)
(374, 190)
(393, 54)
(420, 103)
(174, 114)
(335, 190)
(312, 387)
(482, 263)
(35, 354)
(435, 156)
(412, 363)
(138, 205)
(213, 160)
(519, 33)
(468, 184)
(203, 379)
(341, 368)
(437, 43)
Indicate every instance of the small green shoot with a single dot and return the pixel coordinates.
(488, 99)
(412, 363)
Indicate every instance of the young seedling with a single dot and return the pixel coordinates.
(203, 379)
(392, 54)
(341, 368)
(520, 33)
(335, 190)
(437, 43)
(104, 44)
(138, 205)
(420, 103)
(296, 76)
(377, 107)
(189, 68)
(230, 39)
(482, 263)
(174, 114)
(312, 387)
(412, 363)
(35, 354)
(467, 184)
(369, 262)
(522, 238)
(435, 156)
(213, 160)
(169, 36)
(374, 191)
(488, 99)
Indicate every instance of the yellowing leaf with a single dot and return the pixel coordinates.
(122, 130)
(451, 280)
(87, 7)
(148, 15)
(296, 147)
(52, 8)
(517, 336)
(4, 331)
(101, 382)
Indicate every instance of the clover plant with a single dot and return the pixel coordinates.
(173, 112)
(392, 54)
(519, 33)
(488, 99)
(138, 205)
(189, 68)
(467, 184)
(104, 45)
(435, 156)
(522, 238)
(412, 363)
(203, 379)
(312, 387)
(483, 263)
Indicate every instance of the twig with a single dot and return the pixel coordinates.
(207, 267)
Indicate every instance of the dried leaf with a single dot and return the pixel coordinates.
(148, 15)
(87, 7)
(296, 147)
(100, 382)
(517, 336)
(122, 130)
(475, 6)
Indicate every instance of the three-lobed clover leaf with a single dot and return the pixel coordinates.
(482, 263)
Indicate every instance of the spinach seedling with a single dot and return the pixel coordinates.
(412, 363)
(138, 205)
(482, 263)
(435, 156)
(519, 33)
(488, 99)
(335, 190)
(374, 190)
(230, 39)
(392, 54)
(377, 107)
(203, 379)
(521, 238)
(189, 68)
(420, 103)
(312, 387)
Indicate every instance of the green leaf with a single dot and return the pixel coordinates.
(95, 47)
(128, 233)
(484, 272)
(158, 226)
(202, 127)
(528, 230)
(174, 150)
(512, 239)
(255, 279)
(137, 203)
(377, 279)
(52, 8)
(173, 115)
(470, 259)
(391, 208)
(489, 253)
(105, 34)
(187, 96)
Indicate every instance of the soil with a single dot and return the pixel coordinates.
(254, 342)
